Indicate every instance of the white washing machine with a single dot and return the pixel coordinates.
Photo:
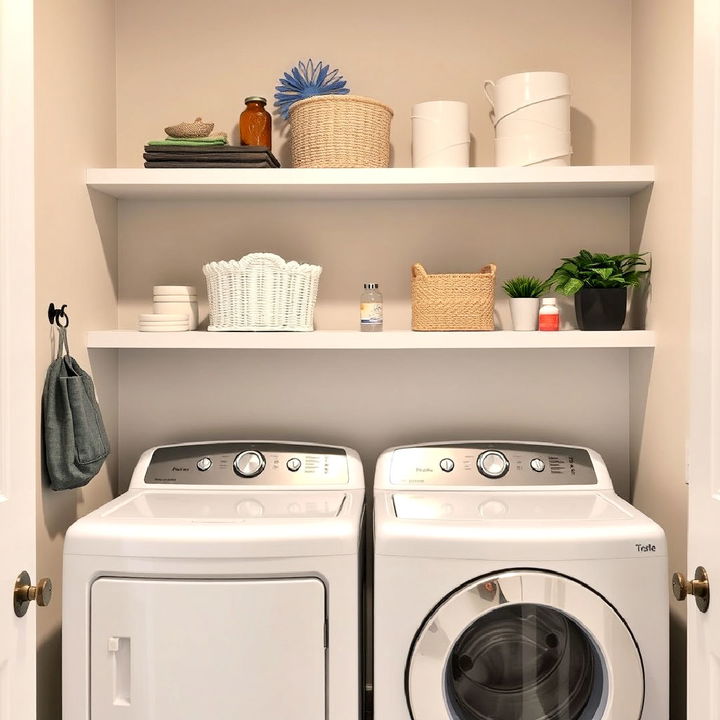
(223, 584)
(511, 583)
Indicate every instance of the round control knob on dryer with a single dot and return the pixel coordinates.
(537, 464)
(249, 464)
(293, 464)
(492, 464)
(447, 465)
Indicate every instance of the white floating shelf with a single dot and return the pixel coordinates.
(371, 184)
(356, 340)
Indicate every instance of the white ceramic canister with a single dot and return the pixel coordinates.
(512, 92)
(525, 150)
(177, 299)
(547, 116)
(441, 134)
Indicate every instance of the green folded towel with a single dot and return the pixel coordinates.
(190, 142)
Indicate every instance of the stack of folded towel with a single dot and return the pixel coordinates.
(206, 152)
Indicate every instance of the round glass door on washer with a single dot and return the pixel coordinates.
(510, 582)
(524, 645)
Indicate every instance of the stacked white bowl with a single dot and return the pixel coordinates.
(175, 310)
(166, 322)
(531, 116)
(440, 134)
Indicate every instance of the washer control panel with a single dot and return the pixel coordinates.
(492, 464)
(238, 463)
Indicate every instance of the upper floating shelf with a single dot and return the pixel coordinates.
(355, 340)
(371, 184)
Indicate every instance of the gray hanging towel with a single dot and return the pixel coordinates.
(74, 436)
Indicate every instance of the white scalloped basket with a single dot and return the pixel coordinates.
(261, 292)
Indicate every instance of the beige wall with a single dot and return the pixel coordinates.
(402, 53)
(661, 134)
(377, 399)
(357, 242)
(175, 63)
(75, 128)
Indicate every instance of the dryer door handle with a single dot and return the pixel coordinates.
(119, 648)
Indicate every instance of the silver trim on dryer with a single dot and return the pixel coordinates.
(619, 693)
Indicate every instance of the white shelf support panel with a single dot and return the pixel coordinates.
(356, 340)
(371, 183)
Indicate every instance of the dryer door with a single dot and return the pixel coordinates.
(526, 645)
(189, 649)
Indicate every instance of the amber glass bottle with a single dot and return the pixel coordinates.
(256, 123)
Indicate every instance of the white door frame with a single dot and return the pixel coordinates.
(704, 492)
(18, 447)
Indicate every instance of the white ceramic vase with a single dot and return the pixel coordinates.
(524, 313)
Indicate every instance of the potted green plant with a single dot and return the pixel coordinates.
(599, 283)
(524, 293)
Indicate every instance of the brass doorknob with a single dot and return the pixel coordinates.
(24, 593)
(699, 587)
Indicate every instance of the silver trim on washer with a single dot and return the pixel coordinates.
(430, 653)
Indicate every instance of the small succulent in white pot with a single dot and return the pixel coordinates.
(524, 293)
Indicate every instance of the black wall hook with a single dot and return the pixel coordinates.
(54, 315)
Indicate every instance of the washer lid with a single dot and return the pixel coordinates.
(524, 644)
(204, 507)
(516, 506)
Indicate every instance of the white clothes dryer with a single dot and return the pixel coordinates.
(511, 583)
(223, 584)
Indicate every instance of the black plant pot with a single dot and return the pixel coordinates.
(601, 308)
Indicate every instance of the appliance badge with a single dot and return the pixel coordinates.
(645, 548)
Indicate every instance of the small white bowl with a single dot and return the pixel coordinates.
(162, 318)
(174, 290)
(163, 328)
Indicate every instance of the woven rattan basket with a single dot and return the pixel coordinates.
(261, 292)
(340, 131)
(463, 301)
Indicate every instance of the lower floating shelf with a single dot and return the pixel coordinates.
(355, 340)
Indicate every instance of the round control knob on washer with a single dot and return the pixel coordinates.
(249, 464)
(447, 465)
(493, 464)
(204, 464)
(293, 464)
(537, 464)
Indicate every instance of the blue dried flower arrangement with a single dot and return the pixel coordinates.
(307, 80)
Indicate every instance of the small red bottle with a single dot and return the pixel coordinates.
(549, 316)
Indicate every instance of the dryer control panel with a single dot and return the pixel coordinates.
(243, 463)
(492, 464)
